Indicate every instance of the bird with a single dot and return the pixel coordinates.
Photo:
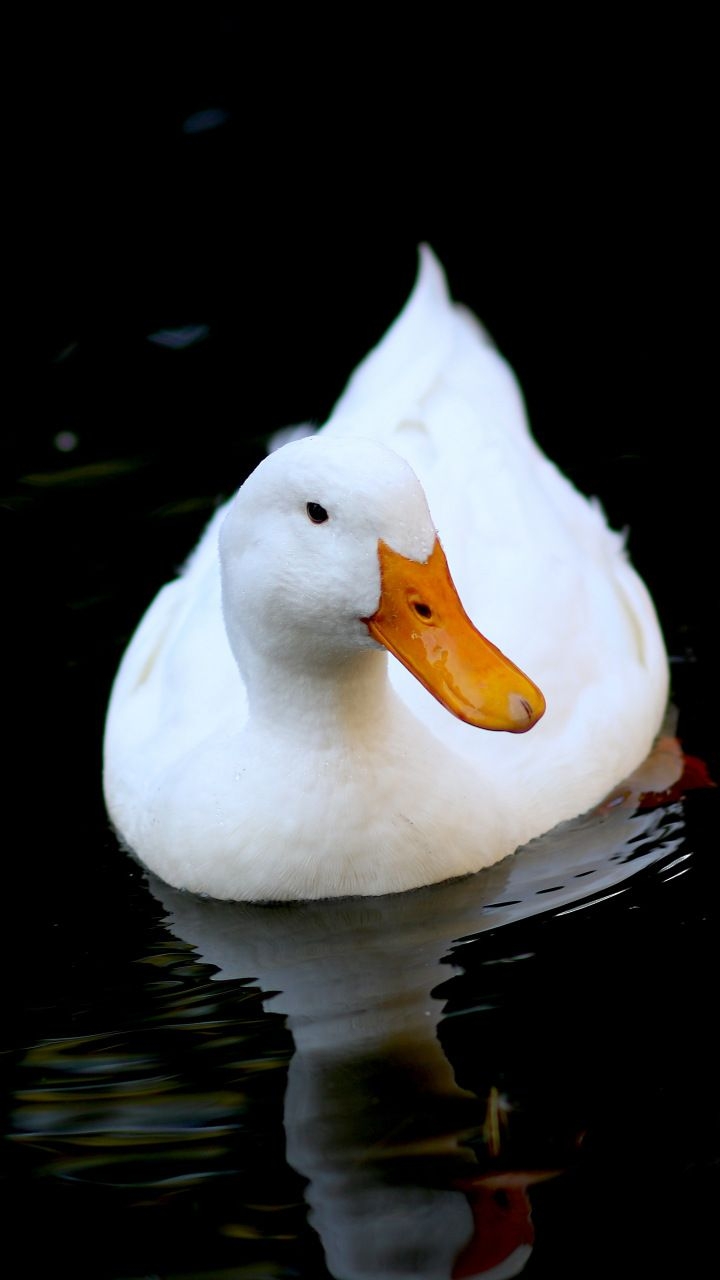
(404, 649)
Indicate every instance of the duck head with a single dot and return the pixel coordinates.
(328, 549)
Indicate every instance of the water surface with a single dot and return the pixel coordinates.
(514, 1073)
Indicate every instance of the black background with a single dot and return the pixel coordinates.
(563, 177)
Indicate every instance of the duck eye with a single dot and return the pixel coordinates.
(317, 514)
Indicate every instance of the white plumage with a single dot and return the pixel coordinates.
(273, 751)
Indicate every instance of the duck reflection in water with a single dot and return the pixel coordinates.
(408, 1172)
(432, 1095)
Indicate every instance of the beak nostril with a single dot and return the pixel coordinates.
(422, 610)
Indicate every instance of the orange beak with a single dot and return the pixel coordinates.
(421, 620)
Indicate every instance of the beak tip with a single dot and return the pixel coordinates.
(524, 712)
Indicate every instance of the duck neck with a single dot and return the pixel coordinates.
(342, 699)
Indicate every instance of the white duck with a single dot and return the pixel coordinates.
(259, 742)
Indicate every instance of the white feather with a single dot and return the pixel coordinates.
(272, 757)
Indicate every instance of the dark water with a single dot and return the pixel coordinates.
(514, 1074)
(521, 1064)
